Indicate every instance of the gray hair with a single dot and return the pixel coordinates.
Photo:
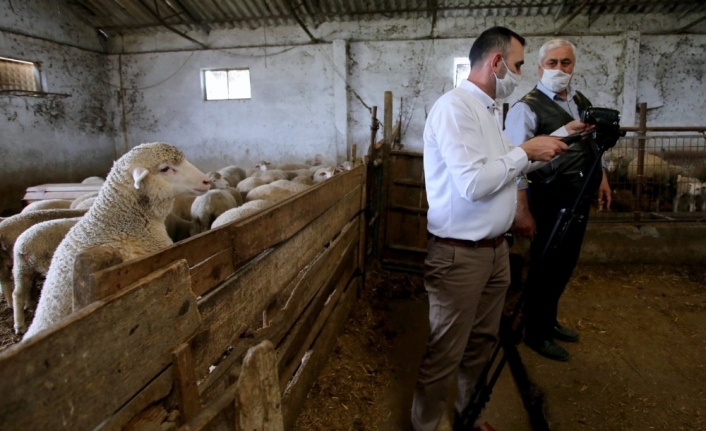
(552, 44)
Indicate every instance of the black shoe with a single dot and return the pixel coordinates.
(549, 349)
(563, 333)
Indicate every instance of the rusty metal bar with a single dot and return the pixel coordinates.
(641, 160)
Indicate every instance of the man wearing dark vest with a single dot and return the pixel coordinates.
(553, 107)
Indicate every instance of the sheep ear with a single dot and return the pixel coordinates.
(138, 174)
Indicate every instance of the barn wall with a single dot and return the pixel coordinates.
(53, 139)
(289, 117)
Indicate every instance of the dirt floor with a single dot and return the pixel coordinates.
(640, 363)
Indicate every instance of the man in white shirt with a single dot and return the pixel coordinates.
(553, 107)
(470, 170)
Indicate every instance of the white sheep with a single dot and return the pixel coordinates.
(293, 166)
(268, 192)
(82, 198)
(307, 180)
(178, 228)
(32, 255)
(11, 228)
(247, 209)
(128, 217)
(655, 169)
(93, 180)
(182, 206)
(289, 185)
(232, 174)
(323, 173)
(49, 204)
(86, 203)
(248, 184)
(208, 207)
(688, 189)
(217, 180)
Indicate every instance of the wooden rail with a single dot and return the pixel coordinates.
(177, 325)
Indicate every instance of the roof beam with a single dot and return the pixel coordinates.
(190, 13)
(691, 24)
(571, 17)
(433, 9)
(292, 10)
(559, 10)
(169, 27)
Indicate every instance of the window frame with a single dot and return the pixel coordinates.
(224, 69)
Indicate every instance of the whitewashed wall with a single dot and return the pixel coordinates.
(53, 139)
(307, 98)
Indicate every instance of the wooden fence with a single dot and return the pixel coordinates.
(226, 330)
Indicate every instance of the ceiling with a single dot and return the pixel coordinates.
(113, 17)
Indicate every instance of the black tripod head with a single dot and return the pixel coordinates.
(607, 125)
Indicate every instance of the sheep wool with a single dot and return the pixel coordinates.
(128, 216)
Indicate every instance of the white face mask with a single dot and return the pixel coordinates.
(555, 80)
(504, 87)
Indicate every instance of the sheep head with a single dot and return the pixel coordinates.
(164, 167)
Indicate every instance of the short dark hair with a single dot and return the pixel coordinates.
(492, 39)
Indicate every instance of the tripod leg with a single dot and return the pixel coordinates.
(532, 395)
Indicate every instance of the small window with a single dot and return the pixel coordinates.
(227, 84)
(462, 67)
(19, 75)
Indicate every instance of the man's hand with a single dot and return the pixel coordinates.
(524, 224)
(577, 126)
(543, 148)
(604, 194)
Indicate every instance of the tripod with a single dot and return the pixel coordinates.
(511, 328)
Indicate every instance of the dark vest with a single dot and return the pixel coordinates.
(562, 178)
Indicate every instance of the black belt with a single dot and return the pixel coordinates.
(488, 242)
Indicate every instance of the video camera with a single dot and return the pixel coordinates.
(607, 122)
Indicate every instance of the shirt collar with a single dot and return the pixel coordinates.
(479, 95)
(554, 96)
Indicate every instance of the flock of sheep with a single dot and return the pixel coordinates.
(151, 198)
(676, 186)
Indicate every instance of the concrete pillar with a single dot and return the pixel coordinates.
(630, 77)
(340, 98)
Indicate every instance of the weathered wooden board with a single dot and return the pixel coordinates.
(252, 236)
(212, 271)
(229, 309)
(316, 281)
(194, 250)
(258, 405)
(74, 376)
(295, 393)
(156, 390)
(59, 191)
(186, 393)
(300, 338)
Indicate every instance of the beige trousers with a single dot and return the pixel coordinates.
(466, 289)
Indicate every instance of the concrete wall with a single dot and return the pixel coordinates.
(308, 98)
(53, 139)
(290, 116)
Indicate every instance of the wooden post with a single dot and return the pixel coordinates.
(374, 126)
(258, 405)
(354, 152)
(187, 394)
(85, 288)
(641, 131)
(386, 174)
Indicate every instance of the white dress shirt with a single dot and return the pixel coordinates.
(469, 167)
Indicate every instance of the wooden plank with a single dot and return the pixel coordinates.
(409, 183)
(65, 187)
(406, 153)
(85, 290)
(187, 394)
(258, 405)
(295, 393)
(156, 390)
(313, 284)
(228, 310)
(60, 378)
(410, 210)
(212, 271)
(252, 236)
(195, 250)
(206, 416)
(294, 347)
